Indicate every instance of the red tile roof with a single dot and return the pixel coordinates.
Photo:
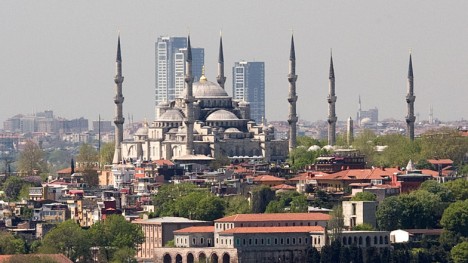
(196, 229)
(273, 229)
(268, 178)
(59, 258)
(304, 176)
(283, 187)
(275, 217)
(360, 174)
(163, 162)
(440, 161)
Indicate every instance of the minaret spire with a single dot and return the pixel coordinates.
(118, 100)
(221, 78)
(410, 98)
(189, 118)
(292, 98)
(331, 105)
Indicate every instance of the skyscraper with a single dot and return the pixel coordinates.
(170, 66)
(248, 84)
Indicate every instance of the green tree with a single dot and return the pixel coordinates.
(459, 188)
(124, 255)
(58, 159)
(261, 197)
(459, 253)
(299, 204)
(115, 233)
(455, 218)
(441, 190)
(364, 227)
(364, 196)
(88, 158)
(399, 150)
(69, 239)
(388, 212)
(364, 143)
(237, 205)
(31, 159)
(300, 157)
(167, 194)
(418, 209)
(13, 186)
(307, 141)
(107, 153)
(444, 143)
(9, 244)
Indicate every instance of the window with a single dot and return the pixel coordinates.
(201, 240)
(194, 241)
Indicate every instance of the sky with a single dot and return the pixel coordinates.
(60, 55)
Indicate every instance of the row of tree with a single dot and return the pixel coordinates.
(443, 143)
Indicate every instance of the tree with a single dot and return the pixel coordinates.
(444, 143)
(364, 227)
(115, 233)
(459, 253)
(107, 153)
(31, 159)
(455, 218)
(296, 202)
(124, 254)
(167, 194)
(9, 244)
(261, 197)
(418, 209)
(388, 212)
(459, 188)
(364, 196)
(441, 190)
(237, 205)
(399, 149)
(13, 186)
(69, 239)
(336, 223)
(88, 158)
(300, 157)
(313, 256)
(364, 143)
(299, 204)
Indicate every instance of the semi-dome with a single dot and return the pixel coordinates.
(205, 88)
(171, 115)
(142, 131)
(232, 130)
(313, 148)
(221, 115)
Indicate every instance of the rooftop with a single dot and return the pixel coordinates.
(166, 219)
(274, 229)
(275, 217)
(196, 229)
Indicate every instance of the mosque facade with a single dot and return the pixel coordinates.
(204, 123)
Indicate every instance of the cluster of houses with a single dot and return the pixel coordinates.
(126, 189)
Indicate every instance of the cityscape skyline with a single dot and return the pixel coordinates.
(68, 67)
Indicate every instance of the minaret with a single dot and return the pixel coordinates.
(410, 98)
(221, 78)
(118, 100)
(292, 98)
(350, 131)
(358, 115)
(331, 105)
(189, 100)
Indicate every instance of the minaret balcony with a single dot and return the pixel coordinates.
(292, 99)
(331, 99)
(410, 98)
(292, 77)
(118, 99)
(119, 120)
(118, 79)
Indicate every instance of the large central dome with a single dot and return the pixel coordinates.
(206, 89)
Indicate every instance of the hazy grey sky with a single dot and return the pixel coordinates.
(60, 54)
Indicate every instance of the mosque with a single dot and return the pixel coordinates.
(204, 123)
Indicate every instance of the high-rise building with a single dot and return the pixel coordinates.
(170, 66)
(248, 84)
